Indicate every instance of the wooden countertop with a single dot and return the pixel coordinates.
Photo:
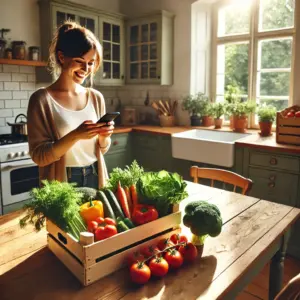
(251, 234)
(254, 140)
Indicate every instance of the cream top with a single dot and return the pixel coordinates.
(83, 152)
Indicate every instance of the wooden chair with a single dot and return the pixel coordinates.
(222, 175)
(291, 291)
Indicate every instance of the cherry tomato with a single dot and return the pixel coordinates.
(140, 273)
(149, 251)
(297, 114)
(178, 238)
(134, 258)
(92, 226)
(189, 252)
(105, 232)
(290, 114)
(158, 266)
(164, 243)
(174, 258)
(107, 221)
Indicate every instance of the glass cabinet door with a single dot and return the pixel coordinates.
(61, 17)
(87, 23)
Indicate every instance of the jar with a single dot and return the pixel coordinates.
(18, 49)
(34, 53)
(8, 53)
(2, 47)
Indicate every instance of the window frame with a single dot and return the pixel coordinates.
(253, 37)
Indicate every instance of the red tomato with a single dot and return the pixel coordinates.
(158, 266)
(140, 273)
(105, 232)
(107, 221)
(164, 243)
(189, 252)
(178, 238)
(297, 114)
(149, 251)
(134, 258)
(290, 114)
(92, 226)
(174, 258)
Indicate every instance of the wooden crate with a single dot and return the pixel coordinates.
(288, 129)
(92, 262)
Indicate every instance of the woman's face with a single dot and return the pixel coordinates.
(79, 68)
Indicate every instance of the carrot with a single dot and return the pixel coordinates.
(128, 196)
(123, 200)
(134, 196)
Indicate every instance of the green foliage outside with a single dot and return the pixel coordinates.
(196, 105)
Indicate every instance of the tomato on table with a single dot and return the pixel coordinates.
(164, 243)
(189, 252)
(140, 273)
(178, 238)
(149, 251)
(135, 257)
(174, 258)
(159, 266)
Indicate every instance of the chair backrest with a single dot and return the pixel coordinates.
(221, 175)
(291, 291)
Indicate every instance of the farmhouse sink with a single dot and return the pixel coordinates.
(206, 146)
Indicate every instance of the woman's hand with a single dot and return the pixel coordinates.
(106, 130)
(87, 130)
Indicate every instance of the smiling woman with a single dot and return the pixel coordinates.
(64, 137)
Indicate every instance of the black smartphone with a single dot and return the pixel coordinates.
(108, 117)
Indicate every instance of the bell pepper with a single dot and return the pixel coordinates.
(107, 228)
(144, 214)
(89, 211)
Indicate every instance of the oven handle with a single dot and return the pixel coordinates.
(10, 167)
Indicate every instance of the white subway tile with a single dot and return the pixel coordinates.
(5, 95)
(11, 69)
(11, 86)
(1, 86)
(31, 78)
(24, 103)
(6, 113)
(5, 130)
(2, 103)
(19, 77)
(2, 121)
(27, 69)
(20, 95)
(30, 93)
(27, 86)
(17, 111)
(10, 120)
(5, 77)
(12, 103)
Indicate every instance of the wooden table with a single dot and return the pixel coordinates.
(254, 232)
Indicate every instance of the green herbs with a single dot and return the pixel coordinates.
(266, 113)
(161, 189)
(217, 110)
(127, 177)
(57, 201)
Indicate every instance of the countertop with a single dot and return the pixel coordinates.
(254, 140)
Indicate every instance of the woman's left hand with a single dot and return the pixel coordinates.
(107, 129)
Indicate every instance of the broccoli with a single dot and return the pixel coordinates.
(87, 193)
(203, 219)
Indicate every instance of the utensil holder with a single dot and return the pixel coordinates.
(167, 121)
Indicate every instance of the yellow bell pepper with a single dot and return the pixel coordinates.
(91, 210)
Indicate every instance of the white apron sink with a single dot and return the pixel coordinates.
(206, 146)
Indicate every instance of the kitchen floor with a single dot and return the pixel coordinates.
(258, 289)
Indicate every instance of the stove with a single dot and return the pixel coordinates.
(6, 139)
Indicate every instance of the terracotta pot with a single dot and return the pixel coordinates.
(265, 128)
(218, 123)
(240, 123)
(207, 121)
(231, 122)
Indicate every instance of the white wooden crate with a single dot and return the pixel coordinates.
(92, 262)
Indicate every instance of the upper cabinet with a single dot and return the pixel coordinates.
(150, 49)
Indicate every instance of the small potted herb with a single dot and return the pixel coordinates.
(266, 116)
(217, 110)
(207, 118)
(232, 96)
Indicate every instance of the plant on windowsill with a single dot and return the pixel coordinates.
(232, 96)
(266, 116)
(217, 111)
(197, 106)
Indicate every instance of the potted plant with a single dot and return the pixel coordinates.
(217, 110)
(240, 112)
(232, 96)
(196, 105)
(207, 119)
(266, 116)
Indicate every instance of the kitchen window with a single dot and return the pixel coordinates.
(253, 49)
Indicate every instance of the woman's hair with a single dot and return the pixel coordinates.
(73, 40)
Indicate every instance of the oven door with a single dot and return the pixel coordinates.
(17, 179)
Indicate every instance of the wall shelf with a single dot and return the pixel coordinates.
(23, 62)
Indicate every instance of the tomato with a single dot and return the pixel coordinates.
(134, 258)
(159, 266)
(105, 232)
(174, 258)
(178, 238)
(290, 114)
(92, 226)
(140, 273)
(149, 251)
(144, 214)
(164, 243)
(189, 252)
(297, 114)
(106, 221)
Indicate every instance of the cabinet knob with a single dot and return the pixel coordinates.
(273, 161)
(272, 177)
(122, 77)
(271, 184)
(115, 143)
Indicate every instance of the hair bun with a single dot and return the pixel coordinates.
(68, 25)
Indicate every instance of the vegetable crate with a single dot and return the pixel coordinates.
(92, 262)
(288, 126)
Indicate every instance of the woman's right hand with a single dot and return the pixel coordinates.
(86, 130)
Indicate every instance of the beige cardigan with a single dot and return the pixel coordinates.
(42, 133)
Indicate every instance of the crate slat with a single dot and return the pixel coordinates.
(289, 130)
(287, 139)
(289, 121)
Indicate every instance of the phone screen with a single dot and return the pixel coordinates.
(108, 117)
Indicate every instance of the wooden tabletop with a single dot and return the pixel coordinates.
(252, 228)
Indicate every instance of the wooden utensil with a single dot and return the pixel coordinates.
(158, 109)
(162, 106)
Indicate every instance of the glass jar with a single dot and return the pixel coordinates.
(34, 53)
(18, 49)
(2, 47)
(8, 53)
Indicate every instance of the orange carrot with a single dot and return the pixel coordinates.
(128, 196)
(134, 196)
(123, 200)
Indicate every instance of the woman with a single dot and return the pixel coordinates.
(64, 138)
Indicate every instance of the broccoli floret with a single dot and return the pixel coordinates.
(87, 193)
(203, 219)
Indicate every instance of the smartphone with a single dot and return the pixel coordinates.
(108, 117)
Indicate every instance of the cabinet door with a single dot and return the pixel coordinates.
(112, 40)
(116, 160)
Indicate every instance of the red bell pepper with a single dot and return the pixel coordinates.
(144, 214)
(107, 228)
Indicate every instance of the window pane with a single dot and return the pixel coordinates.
(134, 53)
(234, 19)
(153, 70)
(153, 51)
(280, 104)
(275, 53)
(106, 31)
(144, 70)
(274, 84)
(134, 71)
(116, 71)
(106, 51)
(145, 33)
(232, 67)
(116, 52)
(116, 33)
(144, 52)
(134, 34)
(106, 70)
(276, 14)
(90, 24)
(153, 32)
